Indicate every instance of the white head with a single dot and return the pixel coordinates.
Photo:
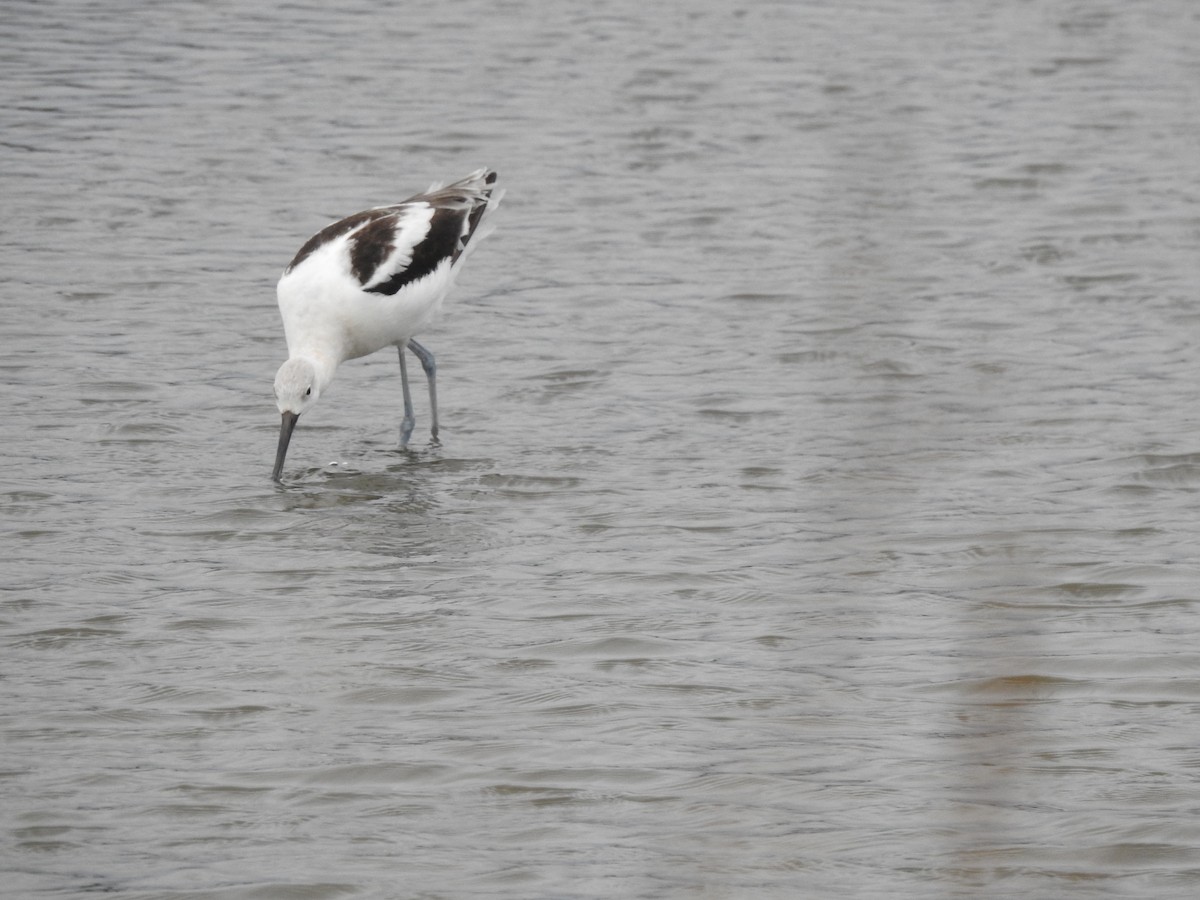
(297, 387)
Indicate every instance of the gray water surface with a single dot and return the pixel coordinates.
(816, 507)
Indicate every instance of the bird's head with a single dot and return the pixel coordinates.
(297, 388)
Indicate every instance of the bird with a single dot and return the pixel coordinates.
(375, 279)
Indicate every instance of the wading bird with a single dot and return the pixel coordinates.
(374, 280)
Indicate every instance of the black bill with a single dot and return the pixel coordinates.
(286, 427)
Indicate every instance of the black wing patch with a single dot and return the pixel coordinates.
(442, 243)
(332, 232)
(372, 245)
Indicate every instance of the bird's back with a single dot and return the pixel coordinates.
(377, 277)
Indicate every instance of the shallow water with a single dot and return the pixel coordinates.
(815, 513)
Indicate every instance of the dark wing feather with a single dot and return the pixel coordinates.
(376, 233)
(331, 232)
(442, 242)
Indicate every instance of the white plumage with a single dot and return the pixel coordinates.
(373, 280)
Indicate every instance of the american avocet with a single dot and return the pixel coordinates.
(373, 280)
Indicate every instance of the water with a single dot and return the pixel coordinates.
(816, 513)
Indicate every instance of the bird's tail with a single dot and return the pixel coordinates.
(478, 191)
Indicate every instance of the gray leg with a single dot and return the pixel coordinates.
(430, 366)
(406, 424)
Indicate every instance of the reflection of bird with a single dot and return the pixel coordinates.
(373, 280)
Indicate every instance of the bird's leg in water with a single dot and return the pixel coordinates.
(430, 366)
(406, 424)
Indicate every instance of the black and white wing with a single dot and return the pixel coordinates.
(390, 247)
